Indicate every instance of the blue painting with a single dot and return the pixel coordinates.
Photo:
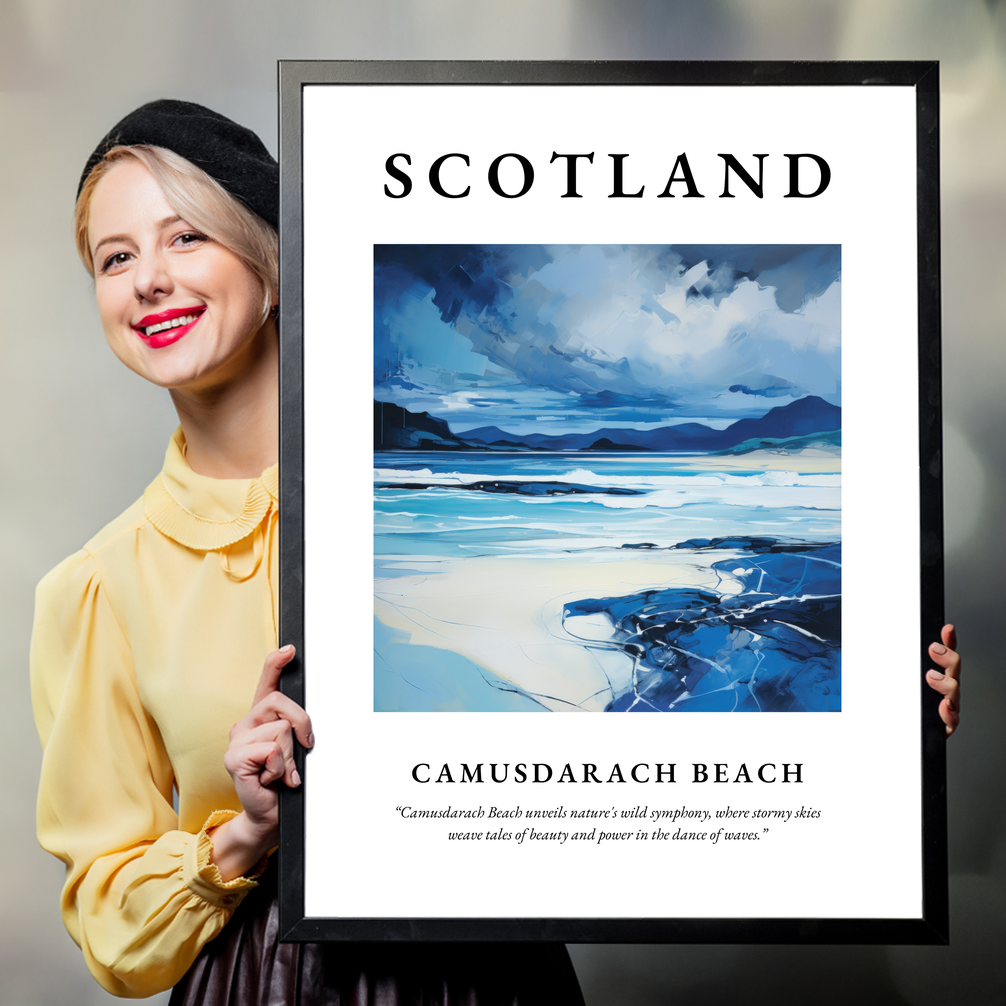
(607, 478)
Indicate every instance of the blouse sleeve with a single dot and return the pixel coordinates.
(141, 898)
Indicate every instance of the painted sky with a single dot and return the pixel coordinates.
(560, 338)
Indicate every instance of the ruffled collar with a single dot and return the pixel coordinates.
(203, 513)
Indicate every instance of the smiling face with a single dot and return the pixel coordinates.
(177, 307)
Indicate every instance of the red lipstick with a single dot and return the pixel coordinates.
(165, 333)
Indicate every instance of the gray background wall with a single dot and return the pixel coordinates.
(82, 436)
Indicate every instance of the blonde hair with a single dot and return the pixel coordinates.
(199, 200)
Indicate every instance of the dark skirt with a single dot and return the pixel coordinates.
(246, 965)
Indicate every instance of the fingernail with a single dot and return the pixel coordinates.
(287, 649)
(295, 777)
(938, 648)
(310, 740)
(936, 675)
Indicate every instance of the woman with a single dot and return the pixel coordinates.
(148, 643)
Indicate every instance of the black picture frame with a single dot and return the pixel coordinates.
(931, 924)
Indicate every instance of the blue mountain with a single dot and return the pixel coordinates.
(396, 428)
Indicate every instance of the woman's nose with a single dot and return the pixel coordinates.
(152, 277)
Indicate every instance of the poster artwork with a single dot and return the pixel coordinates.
(607, 478)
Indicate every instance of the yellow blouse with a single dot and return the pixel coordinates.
(147, 647)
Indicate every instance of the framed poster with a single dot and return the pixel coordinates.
(651, 357)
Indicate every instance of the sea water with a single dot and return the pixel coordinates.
(767, 639)
(425, 503)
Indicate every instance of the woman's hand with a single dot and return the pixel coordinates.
(260, 754)
(948, 681)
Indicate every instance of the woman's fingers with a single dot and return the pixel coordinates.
(261, 749)
(949, 636)
(945, 655)
(271, 671)
(947, 686)
(949, 710)
(274, 766)
(947, 680)
(257, 761)
(270, 703)
(263, 740)
(277, 706)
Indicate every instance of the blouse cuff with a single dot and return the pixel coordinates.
(202, 876)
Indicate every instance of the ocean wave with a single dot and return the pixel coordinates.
(606, 480)
(616, 498)
(514, 487)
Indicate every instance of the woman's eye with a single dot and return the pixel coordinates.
(190, 238)
(114, 261)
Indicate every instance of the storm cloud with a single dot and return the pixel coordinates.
(520, 335)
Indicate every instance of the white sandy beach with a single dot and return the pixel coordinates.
(505, 614)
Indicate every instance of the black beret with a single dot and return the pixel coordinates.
(231, 154)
